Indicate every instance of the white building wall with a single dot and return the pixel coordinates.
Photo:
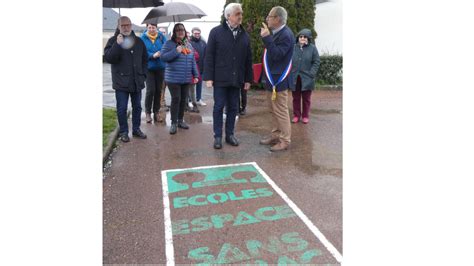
(328, 25)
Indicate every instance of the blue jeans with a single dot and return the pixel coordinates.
(199, 90)
(122, 102)
(225, 96)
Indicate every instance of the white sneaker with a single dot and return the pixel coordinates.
(190, 104)
(201, 103)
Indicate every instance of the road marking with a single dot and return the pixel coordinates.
(167, 212)
(168, 232)
(302, 216)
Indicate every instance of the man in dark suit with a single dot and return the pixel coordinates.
(228, 67)
(277, 65)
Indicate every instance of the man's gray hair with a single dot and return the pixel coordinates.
(281, 13)
(121, 19)
(231, 9)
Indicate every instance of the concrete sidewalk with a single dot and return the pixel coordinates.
(310, 173)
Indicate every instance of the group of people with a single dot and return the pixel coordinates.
(224, 63)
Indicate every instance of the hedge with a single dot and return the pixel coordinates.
(330, 70)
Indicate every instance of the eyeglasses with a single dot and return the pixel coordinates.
(302, 36)
(125, 25)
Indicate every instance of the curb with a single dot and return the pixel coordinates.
(110, 144)
(329, 87)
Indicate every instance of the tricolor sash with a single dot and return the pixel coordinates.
(269, 75)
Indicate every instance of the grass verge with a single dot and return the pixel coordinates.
(109, 119)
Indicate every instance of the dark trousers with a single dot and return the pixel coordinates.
(225, 96)
(154, 83)
(179, 96)
(299, 95)
(199, 90)
(121, 98)
(243, 99)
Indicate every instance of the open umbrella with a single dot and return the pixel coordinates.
(131, 3)
(173, 12)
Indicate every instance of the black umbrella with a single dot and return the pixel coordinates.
(131, 3)
(173, 12)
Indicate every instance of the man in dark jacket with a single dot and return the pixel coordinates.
(277, 65)
(128, 58)
(200, 46)
(228, 67)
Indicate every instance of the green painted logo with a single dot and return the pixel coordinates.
(197, 178)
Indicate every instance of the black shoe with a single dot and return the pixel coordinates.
(243, 112)
(183, 125)
(124, 137)
(173, 129)
(232, 140)
(195, 109)
(139, 134)
(217, 143)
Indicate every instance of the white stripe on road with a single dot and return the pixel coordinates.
(168, 232)
(207, 167)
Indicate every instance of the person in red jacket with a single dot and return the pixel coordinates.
(192, 89)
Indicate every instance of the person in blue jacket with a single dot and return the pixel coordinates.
(154, 41)
(180, 73)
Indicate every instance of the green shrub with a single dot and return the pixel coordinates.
(330, 70)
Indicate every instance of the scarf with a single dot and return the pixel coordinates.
(152, 38)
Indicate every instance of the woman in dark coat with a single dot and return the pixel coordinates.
(303, 73)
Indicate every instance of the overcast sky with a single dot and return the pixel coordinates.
(213, 9)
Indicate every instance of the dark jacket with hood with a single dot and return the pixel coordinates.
(200, 46)
(228, 61)
(305, 63)
(129, 64)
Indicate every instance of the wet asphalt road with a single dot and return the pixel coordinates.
(309, 173)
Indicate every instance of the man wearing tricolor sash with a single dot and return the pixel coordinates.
(278, 40)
